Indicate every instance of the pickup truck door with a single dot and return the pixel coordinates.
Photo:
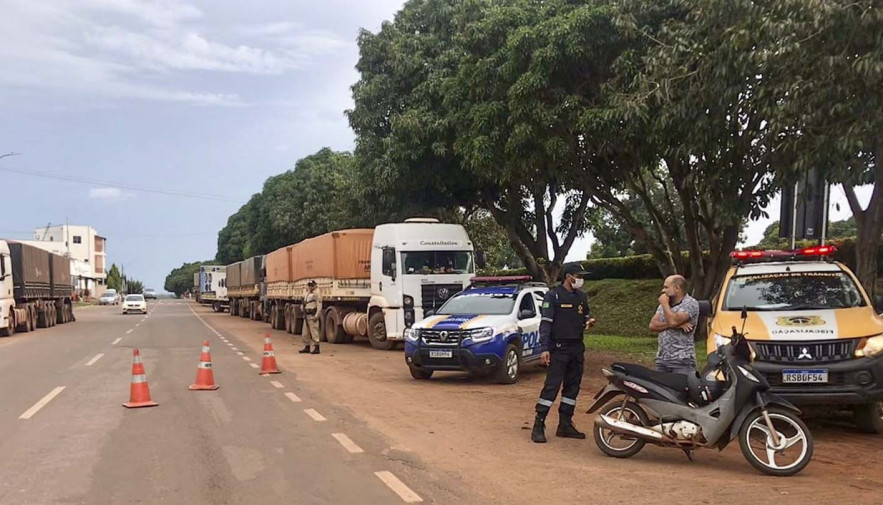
(529, 326)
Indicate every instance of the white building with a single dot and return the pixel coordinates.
(86, 249)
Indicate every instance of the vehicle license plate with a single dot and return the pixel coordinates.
(441, 354)
(805, 376)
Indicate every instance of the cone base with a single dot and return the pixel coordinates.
(198, 387)
(268, 372)
(135, 405)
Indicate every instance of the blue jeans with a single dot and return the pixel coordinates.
(681, 367)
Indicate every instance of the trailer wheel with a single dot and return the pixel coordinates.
(334, 333)
(25, 325)
(43, 317)
(289, 318)
(377, 333)
(10, 325)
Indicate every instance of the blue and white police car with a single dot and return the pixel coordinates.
(491, 327)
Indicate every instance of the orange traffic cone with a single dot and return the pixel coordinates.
(205, 378)
(139, 394)
(268, 363)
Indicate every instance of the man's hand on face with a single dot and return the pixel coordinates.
(663, 300)
(590, 323)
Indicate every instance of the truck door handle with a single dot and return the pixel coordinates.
(381, 285)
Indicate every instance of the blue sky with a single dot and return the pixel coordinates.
(200, 97)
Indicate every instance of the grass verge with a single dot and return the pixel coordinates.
(637, 349)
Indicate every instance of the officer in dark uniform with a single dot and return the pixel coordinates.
(565, 318)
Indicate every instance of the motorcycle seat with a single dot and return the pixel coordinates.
(674, 381)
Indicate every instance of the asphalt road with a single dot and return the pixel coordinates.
(65, 437)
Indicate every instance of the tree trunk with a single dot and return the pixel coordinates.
(869, 226)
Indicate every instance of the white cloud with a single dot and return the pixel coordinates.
(107, 194)
(154, 12)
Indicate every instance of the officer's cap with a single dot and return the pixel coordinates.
(311, 284)
(574, 269)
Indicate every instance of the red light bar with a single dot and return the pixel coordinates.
(502, 279)
(825, 250)
(744, 255)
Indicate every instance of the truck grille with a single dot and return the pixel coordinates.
(443, 337)
(805, 352)
(435, 295)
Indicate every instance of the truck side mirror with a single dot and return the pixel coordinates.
(705, 308)
(878, 304)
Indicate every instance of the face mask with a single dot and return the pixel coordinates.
(578, 283)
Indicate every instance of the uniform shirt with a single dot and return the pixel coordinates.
(676, 344)
(313, 301)
(564, 316)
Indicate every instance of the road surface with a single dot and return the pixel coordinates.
(258, 439)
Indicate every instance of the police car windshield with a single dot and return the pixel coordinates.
(437, 262)
(793, 291)
(494, 304)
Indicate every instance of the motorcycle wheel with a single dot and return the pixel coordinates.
(795, 445)
(617, 445)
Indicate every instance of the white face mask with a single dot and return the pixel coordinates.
(578, 283)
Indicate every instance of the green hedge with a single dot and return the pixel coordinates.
(623, 306)
(644, 267)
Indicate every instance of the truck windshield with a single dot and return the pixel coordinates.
(496, 304)
(793, 291)
(437, 262)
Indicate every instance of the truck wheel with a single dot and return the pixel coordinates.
(377, 333)
(25, 325)
(507, 372)
(334, 333)
(289, 319)
(10, 325)
(43, 318)
(869, 417)
(273, 317)
(419, 373)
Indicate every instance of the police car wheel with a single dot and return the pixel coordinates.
(869, 417)
(419, 373)
(507, 372)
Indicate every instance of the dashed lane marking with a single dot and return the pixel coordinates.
(42, 403)
(277, 384)
(293, 397)
(117, 341)
(246, 358)
(347, 443)
(315, 415)
(130, 331)
(254, 365)
(96, 358)
(398, 487)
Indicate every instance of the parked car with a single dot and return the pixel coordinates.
(109, 297)
(150, 293)
(491, 327)
(135, 303)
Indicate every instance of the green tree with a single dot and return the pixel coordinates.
(134, 287)
(491, 240)
(836, 230)
(234, 239)
(114, 279)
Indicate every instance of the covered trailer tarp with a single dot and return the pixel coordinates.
(251, 271)
(342, 254)
(60, 272)
(234, 275)
(279, 265)
(31, 271)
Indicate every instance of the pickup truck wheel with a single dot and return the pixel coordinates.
(377, 333)
(419, 373)
(9, 330)
(507, 373)
(869, 417)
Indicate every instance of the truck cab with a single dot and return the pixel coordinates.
(416, 267)
(7, 301)
(213, 286)
(491, 327)
(817, 336)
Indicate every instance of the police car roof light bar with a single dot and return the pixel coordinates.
(512, 279)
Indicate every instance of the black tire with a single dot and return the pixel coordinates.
(333, 329)
(869, 417)
(53, 316)
(635, 413)
(43, 317)
(376, 330)
(26, 325)
(784, 418)
(507, 372)
(233, 307)
(289, 319)
(274, 316)
(420, 374)
(60, 314)
(9, 330)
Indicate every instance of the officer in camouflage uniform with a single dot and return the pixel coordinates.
(565, 318)
(312, 311)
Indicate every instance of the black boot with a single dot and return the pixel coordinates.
(538, 434)
(315, 350)
(305, 350)
(567, 430)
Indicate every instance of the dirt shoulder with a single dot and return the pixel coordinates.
(473, 436)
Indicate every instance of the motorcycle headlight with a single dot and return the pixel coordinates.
(870, 347)
(412, 334)
(482, 335)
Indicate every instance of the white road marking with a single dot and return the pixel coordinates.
(130, 331)
(315, 415)
(293, 397)
(398, 487)
(254, 365)
(42, 403)
(277, 384)
(239, 352)
(246, 358)
(96, 358)
(235, 349)
(117, 341)
(347, 443)
(229, 344)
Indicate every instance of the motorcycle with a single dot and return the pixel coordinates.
(728, 400)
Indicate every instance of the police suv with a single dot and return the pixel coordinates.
(491, 327)
(816, 334)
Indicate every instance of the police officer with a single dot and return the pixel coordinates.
(312, 309)
(565, 318)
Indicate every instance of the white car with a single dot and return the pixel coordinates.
(150, 293)
(109, 297)
(135, 303)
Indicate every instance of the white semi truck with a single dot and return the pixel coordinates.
(213, 287)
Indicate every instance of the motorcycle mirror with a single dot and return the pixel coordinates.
(744, 313)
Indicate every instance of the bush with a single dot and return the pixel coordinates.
(623, 306)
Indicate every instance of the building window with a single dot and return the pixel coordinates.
(78, 239)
